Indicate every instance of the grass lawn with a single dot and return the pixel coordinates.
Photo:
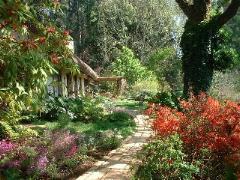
(130, 104)
(119, 122)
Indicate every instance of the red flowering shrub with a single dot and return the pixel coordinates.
(167, 121)
(66, 33)
(51, 29)
(204, 123)
(42, 40)
(54, 58)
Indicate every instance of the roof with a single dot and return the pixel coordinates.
(87, 70)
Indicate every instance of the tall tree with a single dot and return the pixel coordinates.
(198, 41)
(100, 27)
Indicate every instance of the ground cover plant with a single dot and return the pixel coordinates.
(42, 157)
(165, 159)
(84, 109)
(209, 131)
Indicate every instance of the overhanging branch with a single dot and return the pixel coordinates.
(230, 12)
(185, 6)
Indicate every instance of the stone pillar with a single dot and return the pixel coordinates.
(63, 84)
(55, 86)
(121, 84)
(77, 86)
(82, 86)
(50, 88)
(71, 85)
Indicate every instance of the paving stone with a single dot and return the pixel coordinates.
(93, 176)
(126, 159)
(117, 165)
(101, 163)
(115, 157)
(117, 175)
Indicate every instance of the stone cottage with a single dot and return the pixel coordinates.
(68, 85)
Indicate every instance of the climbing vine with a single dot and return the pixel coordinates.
(205, 50)
(204, 44)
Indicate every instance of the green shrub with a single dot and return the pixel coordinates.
(71, 163)
(142, 96)
(108, 133)
(128, 66)
(122, 122)
(169, 99)
(76, 159)
(166, 66)
(77, 109)
(5, 130)
(119, 116)
(12, 174)
(55, 106)
(164, 159)
(92, 110)
(107, 140)
(143, 90)
(52, 170)
(15, 131)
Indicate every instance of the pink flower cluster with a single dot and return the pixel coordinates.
(50, 148)
(42, 163)
(6, 146)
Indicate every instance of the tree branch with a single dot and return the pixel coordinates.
(230, 12)
(185, 6)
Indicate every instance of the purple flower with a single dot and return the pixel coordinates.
(62, 143)
(72, 151)
(6, 146)
(42, 162)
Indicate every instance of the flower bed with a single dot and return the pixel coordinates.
(68, 145)
(209, 130)
(41, 156)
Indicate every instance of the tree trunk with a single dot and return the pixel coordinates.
(196, 43)
(197, 60)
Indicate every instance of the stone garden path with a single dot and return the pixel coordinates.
(117, 164)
